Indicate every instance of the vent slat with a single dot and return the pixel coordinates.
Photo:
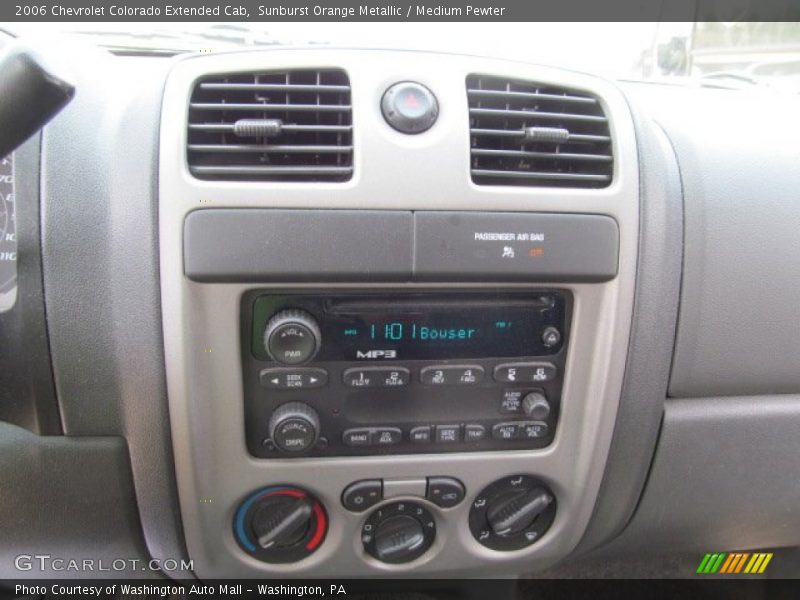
(228, 127)
(526, 133)
(233, 148)
(548, 155)
(535, 175)
(535, 114)
(267, 107)
(293, 125)
(276, 87)
(531, 96)
(269, 170)
(520, 133)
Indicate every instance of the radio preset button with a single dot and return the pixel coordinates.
(445, 492)
(386, 436)
(474, 433)
(525, 372)
(372, 377)
(356, 437)
(292, 379)
(452, 375)
(361, 495)
(420, 435)
(448, 434)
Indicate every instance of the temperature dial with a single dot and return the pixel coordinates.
(280, 524)
(292, 337)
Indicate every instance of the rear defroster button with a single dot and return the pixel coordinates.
(445, 492)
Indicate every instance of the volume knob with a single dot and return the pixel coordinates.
(292, 337)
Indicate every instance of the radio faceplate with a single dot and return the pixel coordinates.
(399, 372)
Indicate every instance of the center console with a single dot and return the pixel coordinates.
(403, 356)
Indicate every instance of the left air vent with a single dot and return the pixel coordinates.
(273, 126)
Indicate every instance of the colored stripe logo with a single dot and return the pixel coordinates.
(732, 563)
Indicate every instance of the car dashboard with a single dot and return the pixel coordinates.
(339, 312)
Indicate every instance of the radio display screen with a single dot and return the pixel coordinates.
(365, 329)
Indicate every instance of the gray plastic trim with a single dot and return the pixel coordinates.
(67, 498)
(724, 477)
(738, 331)
(100, 269)
(250, 245)
(391, 172)
(577, 248)
(658, 279)
(27, 393)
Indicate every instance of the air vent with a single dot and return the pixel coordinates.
(528, 134)
(276, 126)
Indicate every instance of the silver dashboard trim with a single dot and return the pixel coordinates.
(391, 171)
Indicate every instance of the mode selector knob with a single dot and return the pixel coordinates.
(517, 511)
(294, 427)
(512, 513)
(292, 337)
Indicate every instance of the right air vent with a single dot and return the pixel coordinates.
(524, 133)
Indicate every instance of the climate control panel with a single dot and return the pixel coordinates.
(399, 518)
(361, 373)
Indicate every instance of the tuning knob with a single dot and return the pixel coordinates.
(294, 427)
(280, 524)
(292, 337)
(536, 406)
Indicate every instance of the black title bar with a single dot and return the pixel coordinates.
(267, 11)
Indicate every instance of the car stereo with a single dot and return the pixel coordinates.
(400, 372)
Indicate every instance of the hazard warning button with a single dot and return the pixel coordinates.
(409, 107)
